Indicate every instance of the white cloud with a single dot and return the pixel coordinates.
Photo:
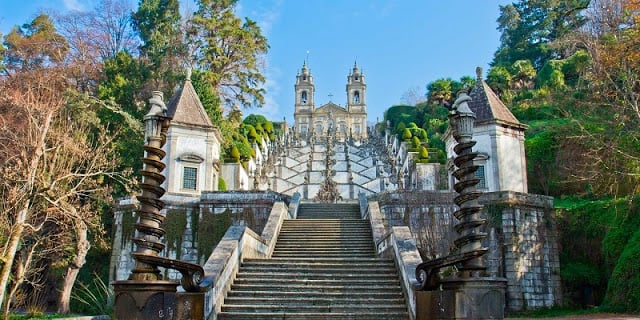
(73, 5)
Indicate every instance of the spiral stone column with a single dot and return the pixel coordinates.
(145, 295)
(469, 293)
(149, 227)
(470, 235)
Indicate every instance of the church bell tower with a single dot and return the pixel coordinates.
(304, 106)
(357, 103)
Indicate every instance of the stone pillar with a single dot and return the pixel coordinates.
(470, 293)
(145, 295)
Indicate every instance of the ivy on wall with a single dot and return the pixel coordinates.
(175, 225)
(211, 229)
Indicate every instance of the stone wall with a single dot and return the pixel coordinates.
(527, 233)
(194, 225)
(522, 238)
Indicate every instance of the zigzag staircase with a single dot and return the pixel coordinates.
(324, 267)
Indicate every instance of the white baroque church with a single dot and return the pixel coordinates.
(349, 121)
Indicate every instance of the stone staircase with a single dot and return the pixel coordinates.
(324, 267)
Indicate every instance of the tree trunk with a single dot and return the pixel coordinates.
(82, 248)
(12, 248)
(14, 239)
(21, 267)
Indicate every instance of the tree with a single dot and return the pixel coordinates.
(440, 91)
(412, 96)
(529, 26)
(230, 50)
(406, 134)
(499, 79)
(523, 75)
(33, 46)
(163, 48)
(424, 153)
(444, 90)
(55, 157)
(104, 31)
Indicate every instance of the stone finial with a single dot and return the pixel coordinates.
(158, 108)
(479, 73)
(462, 103)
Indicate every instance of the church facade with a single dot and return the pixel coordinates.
(330, 118)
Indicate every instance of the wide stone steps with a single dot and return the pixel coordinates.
(302, 315)
(306, 276)
(329, 211)
(321, 268)
(327, 309)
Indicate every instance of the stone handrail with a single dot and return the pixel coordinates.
(399, 244)
(238, 243)
(294, 204)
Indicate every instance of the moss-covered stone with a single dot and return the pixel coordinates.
(211, 229)
(175, 226)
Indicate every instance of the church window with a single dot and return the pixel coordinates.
(355, 78)
(319, 128)
(189, 178)
(356, 97)
(343, 128)
(303, 97)
(481, 175)
(357, 128)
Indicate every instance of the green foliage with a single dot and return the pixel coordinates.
(415, 142)
(222, 185)
(575, 65)
(175, 225)
(400, 113)
(406, 134)
(424, 153)
(440, 91)
(577, 272)
(230, 48)
(235, 153)
(444, 91)
(254, 119)
(551, 75)
(599, 241)
(400, 128)
(123, 80)
(158, 24)
(528, 27)
(34, 45)
(96, 297)
(499, 79)
(541, 161)
(624, 286)
(211, 229)
(210, 100)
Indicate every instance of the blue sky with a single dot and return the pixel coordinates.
(399, 44)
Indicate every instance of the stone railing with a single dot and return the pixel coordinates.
(238, 243)
(396, 243)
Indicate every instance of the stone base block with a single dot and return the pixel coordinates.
(476, 298)
(149, 300)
